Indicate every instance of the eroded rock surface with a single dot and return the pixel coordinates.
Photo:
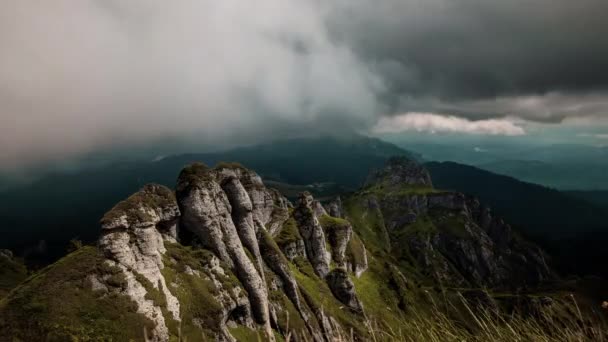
(208, 213)
(450, 235)
(312, 234)
(344, 289)
(132, 239)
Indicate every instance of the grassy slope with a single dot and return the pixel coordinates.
(58, 304)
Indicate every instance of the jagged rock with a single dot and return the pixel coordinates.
(268, 205)
(132, 239)
(243, 218)
(312, 234)
(356, 256)
(343, 288)
(207, 212)
(334, 208)
(318, 209)
(338, 232)
(432, 262)
(459, 240)
(294, 249)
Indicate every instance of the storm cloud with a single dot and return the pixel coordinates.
(79, 75)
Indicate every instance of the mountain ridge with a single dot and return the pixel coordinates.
(226, 257)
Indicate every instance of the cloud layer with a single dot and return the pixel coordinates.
(433, 123)
(76, 76)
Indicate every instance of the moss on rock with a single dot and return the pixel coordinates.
(58, 303)
(135, 208)
(201, 313)
(289, 233)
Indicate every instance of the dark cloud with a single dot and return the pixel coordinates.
(456, 49)
(76, 76)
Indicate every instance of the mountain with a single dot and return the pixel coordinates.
(223, 257)
(536, 209)
(57, 208)
(573, 230)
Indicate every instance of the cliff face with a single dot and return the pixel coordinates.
(452, 236)
(226, 258)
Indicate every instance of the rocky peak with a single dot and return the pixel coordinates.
(312, 233)
(218, 210)
(400, 171)
(151, 205)
(449, 234)
(133, 235)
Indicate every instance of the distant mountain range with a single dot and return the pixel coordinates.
(590, 175)
(538, 209)
(559, 166)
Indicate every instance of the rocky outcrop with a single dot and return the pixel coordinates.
(356, 256)
(338, 232)
(399, 171)
(132, 239)
(334, 208)
(207, 213)
(312, 234)
(451, 235)
(343, 288)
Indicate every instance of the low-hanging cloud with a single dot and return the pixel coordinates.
(435, 123)
(79, 75)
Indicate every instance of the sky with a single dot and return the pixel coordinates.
(78, 76)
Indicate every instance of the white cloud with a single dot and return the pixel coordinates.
(431, 122)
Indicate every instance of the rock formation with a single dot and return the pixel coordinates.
(133, 235)
(224, 256)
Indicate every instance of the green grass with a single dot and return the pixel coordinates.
(192, 176)
(58, 304)
(150, 196)
(457, 320)
(318, 296)
(289, 233)
(196, 294)
(368, 223)
(245, 334)
(289, 319)
(355, 250)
